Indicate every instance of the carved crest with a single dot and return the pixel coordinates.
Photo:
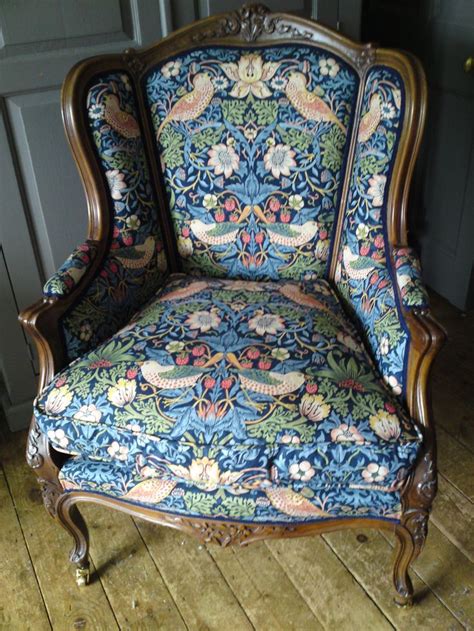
(133, 61)
(251, 22)
(366, 57)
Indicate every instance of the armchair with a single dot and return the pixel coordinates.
(241, 348)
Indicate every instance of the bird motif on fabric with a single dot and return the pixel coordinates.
(270, 382)
(170, 377)
(118, 119)
(358, 267)
(136, 256)
(214, 233)
(185, 292)
(151, 491)
(192, 104)
(292, 503)
(292, 235)
(371, 119)
(309, 105)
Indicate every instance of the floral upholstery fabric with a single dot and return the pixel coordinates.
(252, 145)
(409, 278)
(251, 384)
(364, 274)
(202, 497)
(133, 270)
(71, 271)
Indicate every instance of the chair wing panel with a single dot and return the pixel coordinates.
(252, 143)
(365, 272)
(135, 261)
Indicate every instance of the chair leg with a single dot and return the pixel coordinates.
(72, 520)
(406, 553)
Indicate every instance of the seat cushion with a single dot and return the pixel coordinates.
(269, 504)
(235, 384)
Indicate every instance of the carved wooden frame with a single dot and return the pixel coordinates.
(251, 25)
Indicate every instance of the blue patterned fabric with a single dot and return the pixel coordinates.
(252, 145)
(135, 266)
(71, 271)
(409, 278)
(202, 497)
(364, 274)
(257, 383)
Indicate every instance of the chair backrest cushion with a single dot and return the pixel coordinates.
(252, 144)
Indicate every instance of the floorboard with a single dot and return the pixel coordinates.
(148, 577)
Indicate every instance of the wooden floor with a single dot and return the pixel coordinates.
(154, 578)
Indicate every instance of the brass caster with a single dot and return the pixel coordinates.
(403, 602)
(82, 576)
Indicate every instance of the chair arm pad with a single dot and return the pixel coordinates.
(409, 278)
(68, 276)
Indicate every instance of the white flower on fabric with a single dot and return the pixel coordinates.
(58, 437)
(266, 323)
(223, 159)
(122, 393)
(133, 222)
(210, 201)
(58, 400)
(115, 450)
(374, 472)
(279, 83)
(116, 183)
(387, 111)
(171, 69)
(329, 67)
(134, 427)
(174, 347)
(96, 111)
(279, 159)
(377, 189)
(295, 202)
(88, 413)
(301, 471)
(362, 231)
(203, 320)
(220, 83)
(281, 354)
(250, 75)
(392, 382)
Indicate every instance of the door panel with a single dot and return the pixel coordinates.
(447, 232)
(53, 190)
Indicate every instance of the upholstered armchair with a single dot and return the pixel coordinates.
(241, 347)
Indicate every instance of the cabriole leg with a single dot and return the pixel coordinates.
(71, 519)
(406, 553)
